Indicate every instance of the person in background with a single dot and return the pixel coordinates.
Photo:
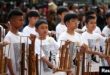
(32, 17)
(106, 29)
(95, 43)
(92, 13)
(60, 28)
(101, 22)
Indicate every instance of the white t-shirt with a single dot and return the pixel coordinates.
(106, 31)
(60, 29)
(73, 38)
(97, 29)
(94, 41)
(29, 30)
(12, 51)
(43, 48)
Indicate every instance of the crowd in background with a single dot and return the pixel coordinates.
(49, 11)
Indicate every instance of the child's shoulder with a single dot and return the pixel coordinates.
(78, 34)
(50, 38)
(26, 27)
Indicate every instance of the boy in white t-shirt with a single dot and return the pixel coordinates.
(45, 47)
(92, 13)
(95, 42)
(71, 23)
(60, 28)
(106, 30)
(32, 17)
(12, 51)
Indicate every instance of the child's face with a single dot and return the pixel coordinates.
(72, 24)
(32, 20)
(43, 30)
(91, 25)
(18, 22)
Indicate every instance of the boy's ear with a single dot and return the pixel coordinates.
(67, 23)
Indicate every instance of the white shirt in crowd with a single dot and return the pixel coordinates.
(106, 31)
(12, 51)
(97, 29)
(43, 48)
(76, 37)
(95, 41)
(27, 31)
(60, 29)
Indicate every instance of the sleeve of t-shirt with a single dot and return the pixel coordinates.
(25, 32)
(98, 30)
(7, 48)
(55, 45)
(84, 40)
(84, 28)
(104, 31)
(58, 32)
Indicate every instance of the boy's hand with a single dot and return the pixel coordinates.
(32, 37)
(4, 43)
(108, 59)
(54, 69)
(70, 72)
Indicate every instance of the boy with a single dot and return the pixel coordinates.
(32, 17)
(70, 21)
(15, 17)
(106, 30)
(45, 47)
(95, 42)
(92, 13)
(60, 28)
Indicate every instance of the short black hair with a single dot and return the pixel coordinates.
(88, 18)
(14, 12)
(70, 16)
(89, 13)
(41, 21)
(61, 9)
(33, 14)
(107, 15)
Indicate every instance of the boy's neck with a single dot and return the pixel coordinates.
(71, 32)
(14, 30)
(89, 31)
(62, 23)
(30, 25)
(42, 37)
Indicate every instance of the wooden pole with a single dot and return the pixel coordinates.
(23, 59)
(32, 63)
(37, 65)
